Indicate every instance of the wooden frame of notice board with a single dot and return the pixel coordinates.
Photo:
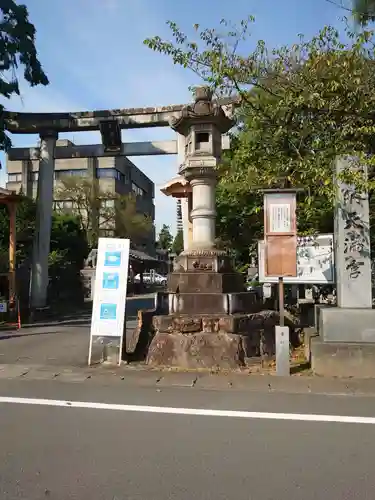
(280, 237)
(322, 258)
(280, 233)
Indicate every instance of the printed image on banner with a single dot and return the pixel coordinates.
(110, 281)
(112, 259)
(108, 311)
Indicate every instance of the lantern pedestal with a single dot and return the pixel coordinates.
(209, 320)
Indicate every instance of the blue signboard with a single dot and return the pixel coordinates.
(110, 281)
(112, 259)
(108, 311)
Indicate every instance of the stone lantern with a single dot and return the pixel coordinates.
(202, 124)
(208, 304)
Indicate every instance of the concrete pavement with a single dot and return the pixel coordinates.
(88, 453)
(63, 342)
(58, 350)
(139, 377)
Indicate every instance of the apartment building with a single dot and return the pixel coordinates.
(116, 174)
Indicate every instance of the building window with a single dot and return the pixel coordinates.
(111, 173)
(33, 176)
(57, 205)
(14, 177)
(137, 190)
(121, 177)
(106, 172)
(63, 204)
(81, 172)
(108, 203)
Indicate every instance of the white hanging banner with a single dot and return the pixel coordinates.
(111, 279)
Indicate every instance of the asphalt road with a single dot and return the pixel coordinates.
(90, 453)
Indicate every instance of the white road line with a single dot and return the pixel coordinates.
(192, 411)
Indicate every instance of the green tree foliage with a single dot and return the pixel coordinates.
(364, 11)
(297, 108)
(17, 49)
(68, 250)
(66, 234)
(67, 239)
(178, 243)
(165, 238)
(130, 223)
(99, 210)
(25, 225)
(67, 253)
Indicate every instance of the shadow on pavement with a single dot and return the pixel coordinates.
(20, 335)
(82, 317)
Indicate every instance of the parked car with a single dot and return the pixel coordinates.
(156, 278)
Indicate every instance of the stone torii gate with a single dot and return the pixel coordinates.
(109, 123)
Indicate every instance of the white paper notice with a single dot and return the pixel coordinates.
(280, 218)
(111, 279)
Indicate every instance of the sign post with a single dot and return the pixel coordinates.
(282, 350)
(280, 238)
(111, 279)
(281, 301)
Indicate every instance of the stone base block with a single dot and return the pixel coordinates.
(340, 359)
(203, 303)
(199, 350)
(347, 325)
(205, 282)
(213, 260)
(219, 323)
(214, 303)
(225, 341)
(317, 309)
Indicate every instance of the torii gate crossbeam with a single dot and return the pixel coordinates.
(48, 126)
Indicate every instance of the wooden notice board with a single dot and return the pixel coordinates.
(280, 233)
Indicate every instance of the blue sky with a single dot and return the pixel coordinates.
(93, 54)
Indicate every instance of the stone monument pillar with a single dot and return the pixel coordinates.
(352, 241)
(207, 299)
(42, 237)
(346, 342)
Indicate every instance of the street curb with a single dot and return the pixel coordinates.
(145, 377)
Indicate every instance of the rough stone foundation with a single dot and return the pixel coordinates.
(224, 341)
(199, 350)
